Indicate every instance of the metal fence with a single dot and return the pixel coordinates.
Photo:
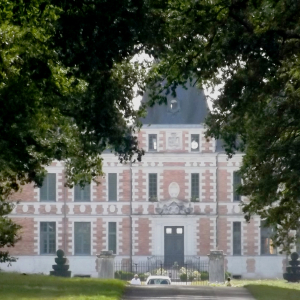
(192, 271)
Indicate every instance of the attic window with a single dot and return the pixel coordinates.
(173, 105)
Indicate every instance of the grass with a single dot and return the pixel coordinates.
(15, 286)
(270, 289)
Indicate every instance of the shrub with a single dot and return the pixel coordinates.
(160, 271)
(183, 277)
(204, 275)
(142, 276)
(123, 275)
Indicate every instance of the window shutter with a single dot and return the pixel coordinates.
(112, 236)
(87, 192)
(195, 186)
(77, 193)
(236, 182)
(48, 188)
(51, 187)
(44, 189)
(152, 185)
(112, 187)
(237, 238)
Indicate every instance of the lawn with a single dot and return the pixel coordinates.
(15, 286)
(270, 289)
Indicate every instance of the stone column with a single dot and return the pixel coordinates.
(216, 267)
(106, 264)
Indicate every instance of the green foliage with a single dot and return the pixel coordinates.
(122, 275)
(252, 48)
(191, 275)
(18, 286)
(183, 277)
(204, 276)
(66, 87)
(143, 276)
(160, 271)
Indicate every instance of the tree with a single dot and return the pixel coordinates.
(66, 89)
(253, 48)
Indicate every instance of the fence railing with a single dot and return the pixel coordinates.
(191, 270)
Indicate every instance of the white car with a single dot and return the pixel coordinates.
(158, 279)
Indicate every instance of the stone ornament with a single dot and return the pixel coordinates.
(293, 270)
(112, 208)
(174, 209)
(174, 190)
(60, 269)
(173, 141)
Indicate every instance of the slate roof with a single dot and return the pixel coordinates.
(191, 108)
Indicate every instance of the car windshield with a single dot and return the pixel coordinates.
(158, 281)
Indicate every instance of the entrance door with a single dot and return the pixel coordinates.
(174, 245)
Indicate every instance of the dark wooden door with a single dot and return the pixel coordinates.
(174, 245)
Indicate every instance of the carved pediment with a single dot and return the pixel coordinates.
(174, 208)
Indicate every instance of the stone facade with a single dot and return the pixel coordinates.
(140, 223)
(183, 186)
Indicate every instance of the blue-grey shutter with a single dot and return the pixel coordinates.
(112, 236)
(237, 238)
(52, 187)
(48, 188)
(77, 193)
(112, 187)
(236, 182)
(87, 192)
(195, 186)
(44, 190)
(152, 186)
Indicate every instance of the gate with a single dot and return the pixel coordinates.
(192, 271)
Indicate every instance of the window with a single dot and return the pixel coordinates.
(195, 187)
(195, 142)
(152, 187)
(237, 238)
(82, 235)
(152, 142)
(112, 187)
(48, 188)
(236, 182)
(168, 230)
(173, 106)
(47, 238)
(82, 194)
(112, 237)
(266, 243)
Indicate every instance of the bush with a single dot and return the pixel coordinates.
(143, 276)
(183, 277)
(123, 275)
(204, 275)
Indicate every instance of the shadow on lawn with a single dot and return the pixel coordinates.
(267, 292)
